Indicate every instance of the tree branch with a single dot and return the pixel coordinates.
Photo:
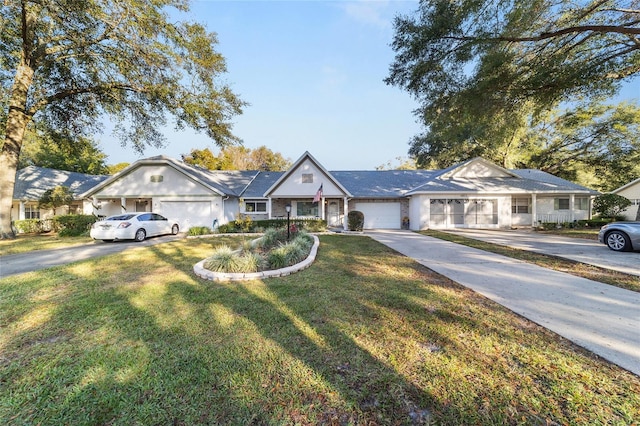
(551, 34)
(79, 91)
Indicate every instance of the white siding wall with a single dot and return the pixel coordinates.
(293, 186)
(138, 183)
(632, 193)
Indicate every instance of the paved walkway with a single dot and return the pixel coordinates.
(601, 318)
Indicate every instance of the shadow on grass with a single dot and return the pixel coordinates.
(348, 341)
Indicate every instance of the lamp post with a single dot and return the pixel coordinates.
(288, 209)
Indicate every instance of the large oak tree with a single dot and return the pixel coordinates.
(483, 70)
(69, 63)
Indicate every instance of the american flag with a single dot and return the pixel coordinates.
(318, 195)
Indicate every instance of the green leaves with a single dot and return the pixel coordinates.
(126, 59)
(487, 72)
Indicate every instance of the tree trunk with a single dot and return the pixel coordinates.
(17, 121)
(638, 213)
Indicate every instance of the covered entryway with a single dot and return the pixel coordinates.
(380, 215)
(187, 213)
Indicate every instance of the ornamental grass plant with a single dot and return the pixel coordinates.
(272, 251)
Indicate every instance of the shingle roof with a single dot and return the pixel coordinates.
(32, 182)
(228, 182)
(262, 182)
(382, 183)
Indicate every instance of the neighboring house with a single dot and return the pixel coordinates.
(475, 193)
(632, 192)
(32, 182)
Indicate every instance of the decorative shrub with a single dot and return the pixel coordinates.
(355, 220)
(309, 225)
(243, 223)
(610, 205)
(72, 225)
(29, 226)
(246, 225)
(199, 230)
(272, 252)
(223, 259)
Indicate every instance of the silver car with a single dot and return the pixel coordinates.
(621, 236)
(132, 226)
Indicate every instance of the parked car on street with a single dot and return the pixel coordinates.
(621, 236)
(133, 226)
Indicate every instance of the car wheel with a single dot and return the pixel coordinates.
(140, 235)
(618, 241)
(175, 229)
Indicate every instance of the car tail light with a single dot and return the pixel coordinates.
(124, 225)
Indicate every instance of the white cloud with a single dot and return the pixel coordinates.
(370, 12)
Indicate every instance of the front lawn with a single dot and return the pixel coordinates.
(364, 336)
(24, 243)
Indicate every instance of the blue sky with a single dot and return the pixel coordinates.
(312, 72)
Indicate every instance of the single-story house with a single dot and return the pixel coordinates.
(32, 182)
(472, 194)
(631, 191)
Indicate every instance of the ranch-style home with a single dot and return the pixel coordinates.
(631, 191)
(472, 194)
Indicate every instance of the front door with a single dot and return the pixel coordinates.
(333, 214)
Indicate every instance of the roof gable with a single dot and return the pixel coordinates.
(476, 168)
(628, 186)
(219, 182)
(294, 183)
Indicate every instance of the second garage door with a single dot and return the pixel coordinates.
(380, 215)
(188, 213)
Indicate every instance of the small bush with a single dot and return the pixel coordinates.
(29, 226)
(355, 220)
(250, 262)
(304, 240)
(277, 258)
(73, 225)
(243, 223)
(227, 228)
(199, 230)
(223, 259)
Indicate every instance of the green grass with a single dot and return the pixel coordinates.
(31, 242)
(364, 336)
(595, 273)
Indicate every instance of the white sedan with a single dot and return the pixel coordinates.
(133, 226)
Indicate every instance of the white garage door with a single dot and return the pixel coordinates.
(380, 215)
(188, 213)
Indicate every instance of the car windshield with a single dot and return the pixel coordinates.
(121, 217)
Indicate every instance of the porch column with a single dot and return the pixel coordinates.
(21, 211)
(534, 210)
(346, 214)
(123, 205)
(322, 212)
(572, 204)
(269, 212)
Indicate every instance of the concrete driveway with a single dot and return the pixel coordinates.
(26, 262)
(599, 317)
(581, 250)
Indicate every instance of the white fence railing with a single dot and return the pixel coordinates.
(553, 218)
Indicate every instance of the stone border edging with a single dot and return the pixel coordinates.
(206, 274)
